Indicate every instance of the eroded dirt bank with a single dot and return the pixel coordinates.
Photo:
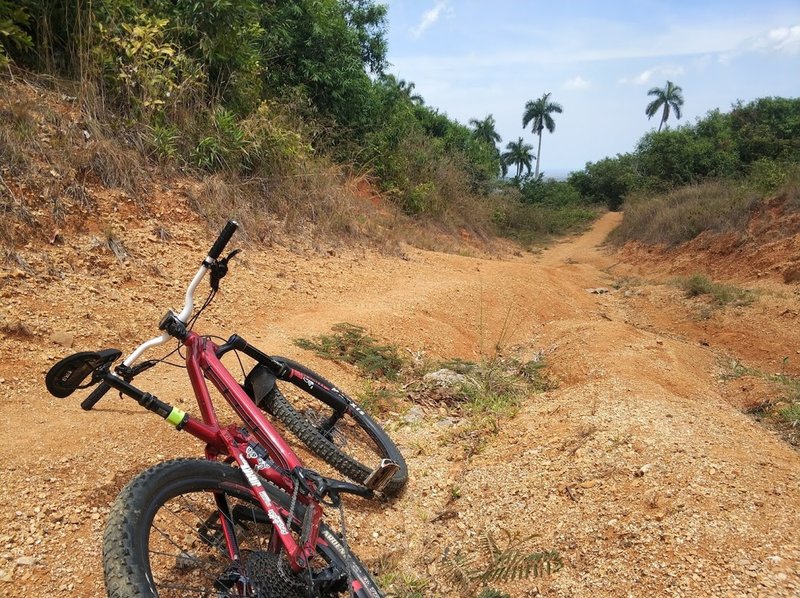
(639, 468)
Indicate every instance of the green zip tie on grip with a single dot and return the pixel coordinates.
(176, 416)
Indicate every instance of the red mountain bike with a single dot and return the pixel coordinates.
(247, 519)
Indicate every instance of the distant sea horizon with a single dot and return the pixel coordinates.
(559, 174)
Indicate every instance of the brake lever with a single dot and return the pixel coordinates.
(220, 269)
(128, 373)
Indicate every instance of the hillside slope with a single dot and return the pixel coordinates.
(639, 468)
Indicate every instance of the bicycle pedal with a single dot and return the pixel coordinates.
(380, 477)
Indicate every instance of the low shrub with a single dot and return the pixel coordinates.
(721, 294)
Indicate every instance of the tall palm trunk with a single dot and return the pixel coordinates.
(539, 152)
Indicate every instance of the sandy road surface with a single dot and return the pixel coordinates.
(637, 468)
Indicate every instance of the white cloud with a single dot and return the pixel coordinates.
(430, 17)
(781, 40)
(577, 83)
(647, 76)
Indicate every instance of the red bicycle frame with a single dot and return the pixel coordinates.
(233, 443)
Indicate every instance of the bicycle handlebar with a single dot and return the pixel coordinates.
(96, 395)
(188, 306)
(222, 240)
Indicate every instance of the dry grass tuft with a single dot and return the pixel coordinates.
(683, 214)
(117, 166)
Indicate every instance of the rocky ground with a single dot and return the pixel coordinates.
(639, 468)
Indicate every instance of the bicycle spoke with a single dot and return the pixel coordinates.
(182, 554)
(184, 588)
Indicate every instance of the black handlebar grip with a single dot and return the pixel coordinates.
(96, 395)
(224, 236)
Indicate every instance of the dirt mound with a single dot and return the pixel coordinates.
(768, 248)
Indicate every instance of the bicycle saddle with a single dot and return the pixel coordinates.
(68, 374)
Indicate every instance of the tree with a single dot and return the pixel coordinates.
(484, 130)
(401, 89)
(538, 112)
(369, 21)
(670, 97)
(518, 154)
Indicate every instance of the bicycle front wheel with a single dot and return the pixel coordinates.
(164, 539)
(342, 434)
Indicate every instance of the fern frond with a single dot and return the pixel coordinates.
(488, 546)
(512, 564)
(460, 567)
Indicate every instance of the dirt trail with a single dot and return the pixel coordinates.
(637, 468)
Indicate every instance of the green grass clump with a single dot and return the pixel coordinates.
(535, 223)
(721, 294)
(351, 344)
(497, 387)
(791, 414)
(781, 411)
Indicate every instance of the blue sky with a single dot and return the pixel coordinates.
(470, 58)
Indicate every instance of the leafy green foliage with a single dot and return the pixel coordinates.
(608, 181)
(13, 23)
(351, 344)
(549, 191)
(146, 73)
(756, 143)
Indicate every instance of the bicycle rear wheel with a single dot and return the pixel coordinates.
(164, 538)
(343, 435)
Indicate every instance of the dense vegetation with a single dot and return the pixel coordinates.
(253, 88)
(756, 144)
(256, 94)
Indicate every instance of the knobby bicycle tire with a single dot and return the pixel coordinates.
(335, 453)
(150, 551)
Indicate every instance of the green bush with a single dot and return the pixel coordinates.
(548, 191)
(607, 181)
(767, 176)
(14, 21)
(754, 140)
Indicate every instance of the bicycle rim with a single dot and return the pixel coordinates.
(165, 534)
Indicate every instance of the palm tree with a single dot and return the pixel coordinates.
(402, 88)
(484, 129)
(669, 97)
(539, 112)
(518, 154)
